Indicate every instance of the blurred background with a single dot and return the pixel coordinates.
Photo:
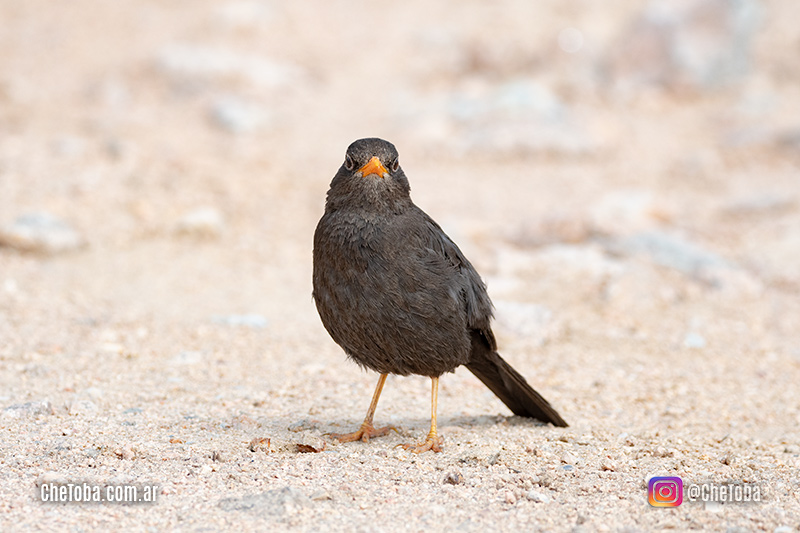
(623, 173)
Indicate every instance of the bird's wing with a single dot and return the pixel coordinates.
(477, 304)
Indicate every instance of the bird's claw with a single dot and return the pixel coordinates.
(433, 443)
(364, 433)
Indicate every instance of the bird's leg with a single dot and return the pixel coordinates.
(433, 441)
(367, 430)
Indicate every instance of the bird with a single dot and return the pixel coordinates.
(399, 296)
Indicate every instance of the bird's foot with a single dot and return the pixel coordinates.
(433, 442)
(364, 433)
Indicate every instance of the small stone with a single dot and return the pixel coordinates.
(792, 448)
(278, 502)
(125, 453)
(694, 340)
(29, 409)
(236, 116)
(510, 498)
(661, 451)
(453, 478)
(670, 251)
(303, 425)
(206, 470)
(259, 444)
(308, 448)
(219, 456)
(40, 233)
(199, 63)
(82, 408)
(538, 497)
(608, 465)
(321, 495)
(784, 529)
(696, 43)
(569, 458)
(206, 222)
(728, 459)
(94, 393)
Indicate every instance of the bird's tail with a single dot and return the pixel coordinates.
(509, 385)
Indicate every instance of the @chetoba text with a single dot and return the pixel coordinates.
(669, 491)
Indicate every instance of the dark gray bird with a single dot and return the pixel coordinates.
(398, 295)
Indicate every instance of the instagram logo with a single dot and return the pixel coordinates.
(665, 491)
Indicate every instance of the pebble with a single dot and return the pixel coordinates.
(512, 116)
(728, 459)
(259, 444)
(277, 502)
(41, 233)
(125, 453)
(694, 340)
(538, 497)
(669, 250)
(321, 495)
(608, 465)
(661, 451)
(510, 498)
(569, 458)
(205, 222)
(703, 44)
(220, 456)
(82, 408)
(182, 61)
(237, 116)
(675, 252)
(28, 409)
(453, 478)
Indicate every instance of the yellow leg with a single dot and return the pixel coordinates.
(367, 430)
(433, 441)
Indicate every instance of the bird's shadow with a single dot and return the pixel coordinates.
(414, 424)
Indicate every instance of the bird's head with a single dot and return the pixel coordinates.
(370, 176)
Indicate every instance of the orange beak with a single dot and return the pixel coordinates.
(374, 166)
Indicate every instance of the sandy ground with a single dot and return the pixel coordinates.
(643, 253)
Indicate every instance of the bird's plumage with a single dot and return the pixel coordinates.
(396, 293)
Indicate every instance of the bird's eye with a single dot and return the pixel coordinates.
(349, 164)
(395, 165)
